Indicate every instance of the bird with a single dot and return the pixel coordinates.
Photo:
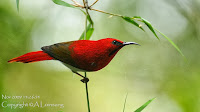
(78, 55)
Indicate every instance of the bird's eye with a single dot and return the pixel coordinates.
(116, 42)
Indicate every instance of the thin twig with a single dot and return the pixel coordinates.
(94, 3)
(78, 6)
(76, 3)
(97, 10)
(106, 12)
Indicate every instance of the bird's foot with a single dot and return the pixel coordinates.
(85, 80)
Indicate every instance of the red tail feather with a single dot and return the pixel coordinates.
(32, 57)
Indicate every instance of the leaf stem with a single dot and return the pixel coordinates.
(173, 44)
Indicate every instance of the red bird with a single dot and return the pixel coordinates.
(80, 55)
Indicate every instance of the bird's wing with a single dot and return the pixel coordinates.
(61, 52)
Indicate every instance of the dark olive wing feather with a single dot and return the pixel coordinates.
(61, 52)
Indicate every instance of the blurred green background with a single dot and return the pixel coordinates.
(154, 69)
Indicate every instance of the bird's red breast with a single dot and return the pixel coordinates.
(93, 55)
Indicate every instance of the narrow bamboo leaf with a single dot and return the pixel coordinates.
(144, 105)
(90, 20)
(128, 19)
(90, 29)
(88, 17)
(83, 34)
(17, 3)
(150, 27)
(60, 2)
(136, 17)
(125, 102)
(173, 44)
(89, 33)
(153, 30)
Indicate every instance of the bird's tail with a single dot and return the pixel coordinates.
(32, 57)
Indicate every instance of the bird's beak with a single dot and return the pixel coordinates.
(129, 43)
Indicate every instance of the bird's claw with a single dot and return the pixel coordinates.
(85, 80)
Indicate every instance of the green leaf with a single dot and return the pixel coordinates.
(60, 2)
(17, 3)
(89, 33)
(89, 28)
(144, 105)
(136, 17)
(90, 20)
(150, 27)
(130, 20)
(176, 47)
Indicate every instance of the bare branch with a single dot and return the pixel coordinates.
(76, 3)
(78, 6)
(94, 3)
(84, 7)
(105, 12)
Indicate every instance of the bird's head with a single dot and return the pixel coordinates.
(114, 45)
